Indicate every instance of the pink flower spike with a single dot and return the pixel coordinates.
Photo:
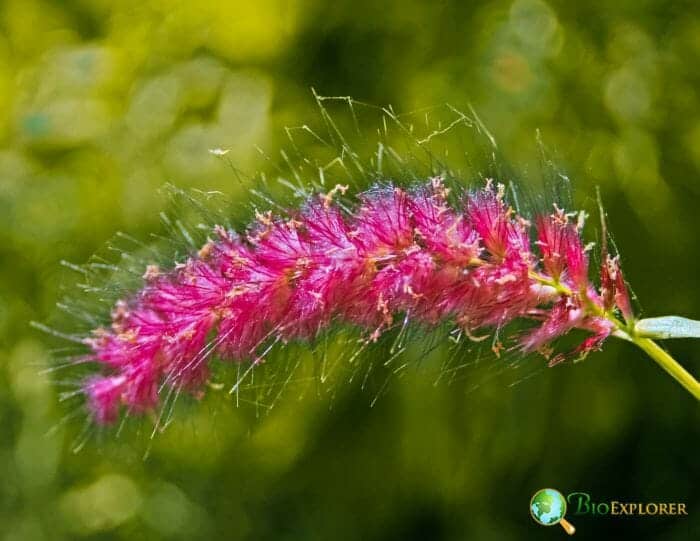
(402, 255)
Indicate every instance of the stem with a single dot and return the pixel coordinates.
(668, 363)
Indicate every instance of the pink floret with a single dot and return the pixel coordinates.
(104, 396)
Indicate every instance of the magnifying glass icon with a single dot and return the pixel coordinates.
(548, 507)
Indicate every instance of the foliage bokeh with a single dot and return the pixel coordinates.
(103, 102)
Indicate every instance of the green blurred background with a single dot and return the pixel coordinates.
(102, 102)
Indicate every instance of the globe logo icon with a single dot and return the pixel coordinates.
(548, 507)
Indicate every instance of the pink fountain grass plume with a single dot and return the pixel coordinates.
(401, 253)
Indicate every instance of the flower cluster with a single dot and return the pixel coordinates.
(400, 252)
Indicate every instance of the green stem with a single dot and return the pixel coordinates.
(668, 363)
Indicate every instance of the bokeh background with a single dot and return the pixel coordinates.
(102, 102)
